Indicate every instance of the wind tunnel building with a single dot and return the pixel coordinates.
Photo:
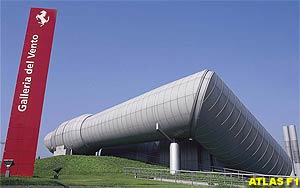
(197, 111)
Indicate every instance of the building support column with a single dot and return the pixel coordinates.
(174, 152)
(174, 158)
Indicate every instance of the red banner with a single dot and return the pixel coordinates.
(24, 124)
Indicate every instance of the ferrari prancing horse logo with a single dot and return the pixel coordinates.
(42, 18)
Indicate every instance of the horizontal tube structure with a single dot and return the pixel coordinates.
(228, 130)
(199, 106)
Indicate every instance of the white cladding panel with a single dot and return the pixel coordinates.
(169, 105)
(59, 134)
(72, 135)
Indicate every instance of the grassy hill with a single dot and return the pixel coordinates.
(101, 171)
(85, 165)
(78, 170)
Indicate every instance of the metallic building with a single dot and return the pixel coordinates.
(292, 148)
(198, 107)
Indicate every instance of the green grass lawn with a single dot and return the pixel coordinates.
(86, 165)
(87, 171)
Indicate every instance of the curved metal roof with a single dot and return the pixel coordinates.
(198, 106)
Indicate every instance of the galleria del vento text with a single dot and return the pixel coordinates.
(25, 92)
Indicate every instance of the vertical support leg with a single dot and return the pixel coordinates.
(7, 173)
(174, 158)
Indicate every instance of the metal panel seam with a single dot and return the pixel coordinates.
(80, 129)
(62, 135)
(198, 102)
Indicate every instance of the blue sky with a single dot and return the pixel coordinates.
(107, 52)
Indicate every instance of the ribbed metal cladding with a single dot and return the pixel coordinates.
(47, 142)
(198, 106)
(294, 143)
(133, 121)
(69, 135)
(233, 135)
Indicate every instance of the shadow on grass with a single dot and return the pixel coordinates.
(38, 181)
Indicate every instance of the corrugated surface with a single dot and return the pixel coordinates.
(200, 106)
(233, 135)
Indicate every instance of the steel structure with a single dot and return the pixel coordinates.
(199, 107)
(292, 148)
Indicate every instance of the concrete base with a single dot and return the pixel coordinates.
(62, 150)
